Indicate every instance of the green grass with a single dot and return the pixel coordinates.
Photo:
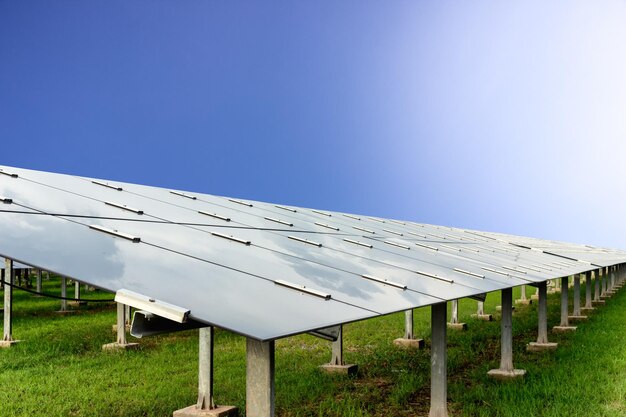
(60, 369)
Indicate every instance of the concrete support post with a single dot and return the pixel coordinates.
(564, 326)
(506, 370)
(438, 361)
(535, 296)
(577, 295)
(337, 349)
(601, 282)
(612, 280)
(408, 324)
(121, 324)
(205, 369)
(454, 321)
(604, 284)
(337, 364)
(127, 317)
(121, 342)
(76, 302)
(480, 312)
(596, 296)
(39, 281)
(7, 329)
(409, 340)
(588, 306)
(259, 378)
(64, 303)
(577, 315)
(205, 406)
(542, 329)
(63, 294)
(455, 311)
(506, 336)
(523, 300)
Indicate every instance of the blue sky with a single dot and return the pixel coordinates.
(500, 116)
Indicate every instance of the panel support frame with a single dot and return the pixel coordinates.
(454, 323)
(121, 343)
(564, 326)
(205, 405)
(337, 363)
(260, 369)
(438, 361)
(409, 340)
(542, 342)
(506, 370)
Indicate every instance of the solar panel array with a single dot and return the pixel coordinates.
(262, 270)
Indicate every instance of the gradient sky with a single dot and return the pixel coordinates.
(499, 116)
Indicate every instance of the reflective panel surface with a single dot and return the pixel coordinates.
(260, 269)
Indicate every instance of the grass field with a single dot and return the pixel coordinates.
(60, 369)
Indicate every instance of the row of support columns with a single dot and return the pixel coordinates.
(260, 355)
(7, 280)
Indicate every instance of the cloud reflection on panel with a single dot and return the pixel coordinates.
(58, 245)
(99, 259)
(343, 280)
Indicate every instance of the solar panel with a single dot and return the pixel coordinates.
(260, 269)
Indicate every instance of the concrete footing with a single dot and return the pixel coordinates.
(484, 317)
(219, 411)
(541, 347)
(76, 303)
(524, 302)
(499, 308)
(577, 318)
(587, 309)
(348, 369)
(534, 297)
(563, 329)
(503, 375)
(409, 343)
(598, 302)
(457, 326)
(63, 312)
(120, 346)
(8, 343)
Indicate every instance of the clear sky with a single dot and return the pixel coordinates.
(500, 116)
